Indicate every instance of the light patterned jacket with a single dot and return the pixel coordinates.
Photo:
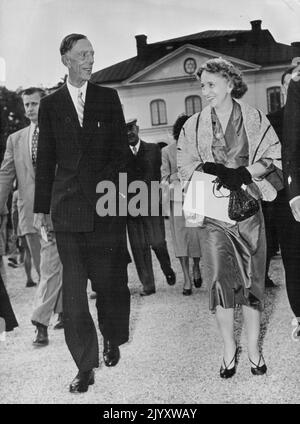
(195, 146)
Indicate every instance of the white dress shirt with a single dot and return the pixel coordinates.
(137, 146)
(74, 92)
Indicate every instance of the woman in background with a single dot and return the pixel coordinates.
(185, 240)
(235, 142)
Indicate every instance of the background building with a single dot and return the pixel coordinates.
(158, 84)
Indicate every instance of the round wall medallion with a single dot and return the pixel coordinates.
(190, 65)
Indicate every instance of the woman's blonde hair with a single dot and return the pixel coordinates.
(228, 71)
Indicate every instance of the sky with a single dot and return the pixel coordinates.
(31, 30)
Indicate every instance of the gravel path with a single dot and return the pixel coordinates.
(173, 355)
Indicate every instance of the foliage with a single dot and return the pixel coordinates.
(12, 117)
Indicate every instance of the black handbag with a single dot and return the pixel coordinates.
(241, 205)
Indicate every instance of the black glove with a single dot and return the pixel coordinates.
(230, 178)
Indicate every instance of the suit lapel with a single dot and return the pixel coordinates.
(88, 116)
(24, 147)
(142, 149)
(69, 113)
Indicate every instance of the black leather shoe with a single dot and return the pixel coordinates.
(60, 322)
(42, 335)
(171, 278)
(258, 369)
(198, 282)
(82, 381)
(30, 284)
(145, 292)
(187, 292)
(111, 353)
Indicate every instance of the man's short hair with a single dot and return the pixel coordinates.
(69, 41)
(286, 72)
(32, 90)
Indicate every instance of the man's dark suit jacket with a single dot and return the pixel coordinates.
(145, 166)
(291, 145)
(73, 159)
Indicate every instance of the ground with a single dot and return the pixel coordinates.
(173, 355)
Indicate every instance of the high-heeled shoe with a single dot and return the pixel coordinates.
(226, 372)
(259, 369)
(198, 282)
(187, 292)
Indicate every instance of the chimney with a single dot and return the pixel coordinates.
(255, 32)
(296, 48)
(141, 45)
(256, 26)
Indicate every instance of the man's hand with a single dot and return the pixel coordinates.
(39, 220)
(295, 207)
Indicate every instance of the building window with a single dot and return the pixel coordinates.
(193, 105)
(274, 99)
(158, 112)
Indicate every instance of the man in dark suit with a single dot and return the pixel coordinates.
(149, 230)
(276, 211)
(291, 172)
(83, 142)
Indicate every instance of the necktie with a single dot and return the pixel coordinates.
(34, 143)
(134, 149)
(80, 107)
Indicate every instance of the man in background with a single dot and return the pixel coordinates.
(291, 170)
(19, 163)
(147, 231)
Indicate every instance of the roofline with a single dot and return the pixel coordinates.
(178, 51)
(179, 39)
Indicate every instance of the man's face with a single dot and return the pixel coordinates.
(31, 105)
(80, 60)
(132, 133)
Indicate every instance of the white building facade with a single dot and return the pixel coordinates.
(159, 92)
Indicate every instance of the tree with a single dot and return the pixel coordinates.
(12, 116)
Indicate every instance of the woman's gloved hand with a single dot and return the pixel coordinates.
(230, 178)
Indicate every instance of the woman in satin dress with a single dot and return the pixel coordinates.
(235, 142)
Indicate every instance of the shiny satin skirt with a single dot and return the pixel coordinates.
(234, 261)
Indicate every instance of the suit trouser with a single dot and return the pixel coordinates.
(289, 239)
(144, 232)
(48, 297)
(268, 209)
(84, 257)
(34, 244)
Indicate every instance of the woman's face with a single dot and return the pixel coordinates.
(215, 88)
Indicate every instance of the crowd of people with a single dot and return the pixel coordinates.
(78, 137)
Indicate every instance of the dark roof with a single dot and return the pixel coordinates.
(256, 46)
(202, 35)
